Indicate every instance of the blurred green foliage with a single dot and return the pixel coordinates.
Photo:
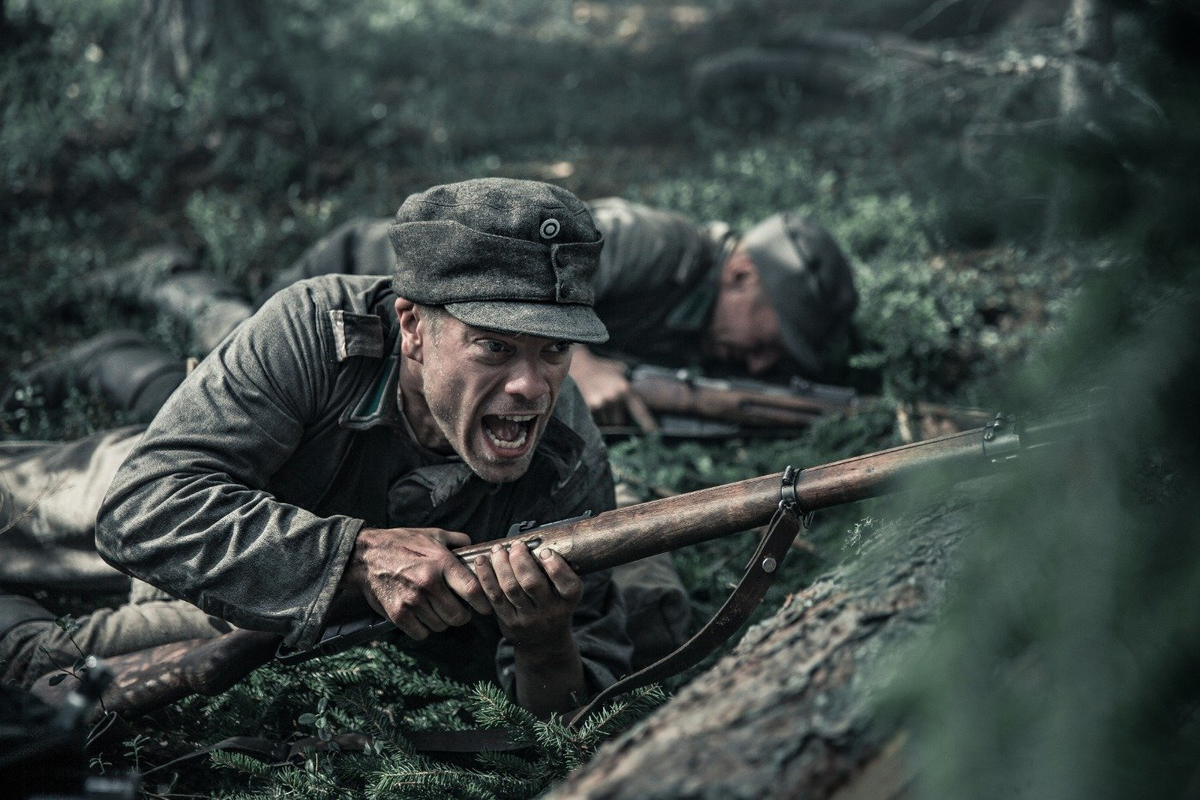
(235, 233)
(1068, 664)
(301, 115)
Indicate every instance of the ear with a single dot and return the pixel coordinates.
(412, 333)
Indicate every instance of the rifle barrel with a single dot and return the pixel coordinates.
(626, 534)
(754, 404)
(150, 679)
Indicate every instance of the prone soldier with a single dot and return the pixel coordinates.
(669, 290)
(671, 293)
(341, 440)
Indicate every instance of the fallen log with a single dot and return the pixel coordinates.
(789, 713)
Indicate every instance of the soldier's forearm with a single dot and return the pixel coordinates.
(550, 677)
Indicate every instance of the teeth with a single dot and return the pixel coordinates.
(503, 443)
(520, 420)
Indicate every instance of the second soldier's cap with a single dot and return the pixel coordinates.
(506, 255)
(808, 282)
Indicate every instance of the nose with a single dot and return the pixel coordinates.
(527, 380)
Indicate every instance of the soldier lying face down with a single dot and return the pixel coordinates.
(674, 293)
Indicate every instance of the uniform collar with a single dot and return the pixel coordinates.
(378, 401)
(692, 313)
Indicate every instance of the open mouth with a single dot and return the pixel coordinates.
(509, 433)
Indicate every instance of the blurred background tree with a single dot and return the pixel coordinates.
(1069, 663)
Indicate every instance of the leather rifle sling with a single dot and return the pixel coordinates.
(781, 532)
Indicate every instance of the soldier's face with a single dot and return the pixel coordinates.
(489, 395)
(744, 330)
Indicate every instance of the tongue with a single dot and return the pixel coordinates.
(504, 429)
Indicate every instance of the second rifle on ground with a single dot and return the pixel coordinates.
(682, 403)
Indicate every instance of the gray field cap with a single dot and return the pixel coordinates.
(507, 255)
(807, 281)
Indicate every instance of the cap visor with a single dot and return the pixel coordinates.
(574, 323)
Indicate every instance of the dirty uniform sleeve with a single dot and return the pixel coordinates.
(599, 620)
(189, 512)
(358, 247)
(645, 249)
(656, 283)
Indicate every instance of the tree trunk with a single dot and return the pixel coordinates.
(1088, 36)
(789, 713)
(171, 37)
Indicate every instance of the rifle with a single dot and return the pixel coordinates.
(153, 678)
(693, 406)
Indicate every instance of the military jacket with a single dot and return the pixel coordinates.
(655, 288)
(658, 280)
(247, 491)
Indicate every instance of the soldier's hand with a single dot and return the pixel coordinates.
(410, 576)
(603, 384)
(533, 598)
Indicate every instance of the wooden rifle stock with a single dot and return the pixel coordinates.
(153, 678)
(747, 403)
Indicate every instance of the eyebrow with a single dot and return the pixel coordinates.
(488, 333)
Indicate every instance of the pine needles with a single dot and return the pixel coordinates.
(381, 692)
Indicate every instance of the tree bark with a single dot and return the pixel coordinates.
(1083, 96)
(171, 37)
(790, 712)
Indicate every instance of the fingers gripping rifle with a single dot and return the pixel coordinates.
(154, 678)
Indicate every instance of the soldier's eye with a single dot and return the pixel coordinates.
(559, 348)
(493, 346)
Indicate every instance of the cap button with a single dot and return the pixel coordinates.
(549, 229)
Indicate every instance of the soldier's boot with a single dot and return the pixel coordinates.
(33, 644)
(127, 282)
(121, 368)
(22, 624)
(207, 304)
(167, 280)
